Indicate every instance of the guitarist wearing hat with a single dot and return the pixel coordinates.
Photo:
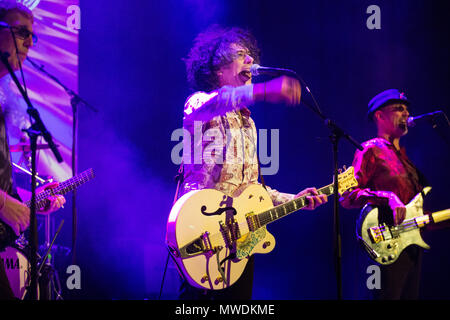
(387, 178)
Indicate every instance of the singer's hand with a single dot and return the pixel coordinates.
(279, 90)
(313, 197)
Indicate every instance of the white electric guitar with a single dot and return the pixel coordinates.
(385, 242)
(211, 235)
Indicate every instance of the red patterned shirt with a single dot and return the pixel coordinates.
(380, 169)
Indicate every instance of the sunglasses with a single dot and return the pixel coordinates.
(23, 33)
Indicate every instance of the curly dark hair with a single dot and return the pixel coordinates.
(211, 51)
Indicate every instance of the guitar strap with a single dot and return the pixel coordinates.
(256, 150)
(260, 174)
(179, 178)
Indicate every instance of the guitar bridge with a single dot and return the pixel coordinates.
(230, 232)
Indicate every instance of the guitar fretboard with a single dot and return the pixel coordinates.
(289, 207)
(62, 188)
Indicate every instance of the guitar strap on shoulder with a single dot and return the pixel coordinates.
(256, 150)
(179, 178)
(260, 174)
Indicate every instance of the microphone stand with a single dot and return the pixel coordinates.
(74, 101)
(37, 128)
(337, 133)
(435, 126)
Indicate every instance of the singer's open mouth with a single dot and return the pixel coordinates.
(245, 74)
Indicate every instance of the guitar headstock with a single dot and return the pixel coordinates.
(346, 180)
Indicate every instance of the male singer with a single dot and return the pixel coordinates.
(218, 69)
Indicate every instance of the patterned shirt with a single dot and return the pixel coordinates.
(220, 143)
(380, 169)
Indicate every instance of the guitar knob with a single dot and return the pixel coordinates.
(391, 257)
(218, 280)
(266, 244)
(384, 260)
(204, 279)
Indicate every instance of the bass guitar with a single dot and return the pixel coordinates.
(385, 242)
(7, 234)
(211, 235)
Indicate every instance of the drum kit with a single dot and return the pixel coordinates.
(16, 257)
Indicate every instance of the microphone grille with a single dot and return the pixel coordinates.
(254, 69)
(410, 122)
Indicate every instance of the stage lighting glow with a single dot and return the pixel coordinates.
(30, 4)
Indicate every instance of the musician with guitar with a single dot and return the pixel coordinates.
(13, 212)
(218, 68)
(389, 180)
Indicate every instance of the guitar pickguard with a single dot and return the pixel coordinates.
(244, 247)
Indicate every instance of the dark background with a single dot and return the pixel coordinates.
(131, 69)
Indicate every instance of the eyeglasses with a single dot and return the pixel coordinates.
(242, 54)
(23, 33)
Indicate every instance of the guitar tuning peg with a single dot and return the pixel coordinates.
(345, 167)
(340, 170)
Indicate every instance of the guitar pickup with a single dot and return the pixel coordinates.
(252, 221)
(376, 234)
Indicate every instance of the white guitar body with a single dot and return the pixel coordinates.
(211, 235)
(186, 222)
(385, 243)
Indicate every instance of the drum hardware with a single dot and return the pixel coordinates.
(46, 272)
(17, 268)
(25, 147)
(42, 181)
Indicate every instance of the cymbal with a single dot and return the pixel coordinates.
(25, 147)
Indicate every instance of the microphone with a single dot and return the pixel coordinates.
(412, 121)
(257, 70)
(4, 25)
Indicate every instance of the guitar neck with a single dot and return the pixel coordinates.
(422, 221)
(62, 188)
(441, 216)
(289, 207)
